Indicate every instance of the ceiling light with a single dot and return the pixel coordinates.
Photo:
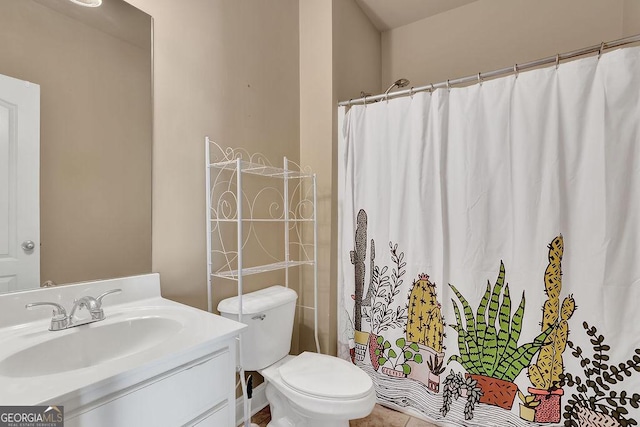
(87, 3)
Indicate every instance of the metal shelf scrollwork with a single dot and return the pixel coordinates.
(289, 199)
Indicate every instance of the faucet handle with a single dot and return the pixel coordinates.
(59, 320)
(112, 291)
(58, 310)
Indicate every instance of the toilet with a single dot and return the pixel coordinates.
(309, 390)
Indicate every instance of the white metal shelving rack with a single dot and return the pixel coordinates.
(288, 197)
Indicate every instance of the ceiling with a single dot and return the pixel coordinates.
(389, 14)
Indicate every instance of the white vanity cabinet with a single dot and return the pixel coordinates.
(150, 363)
(200, 392)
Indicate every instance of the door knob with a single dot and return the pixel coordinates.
(28, 245)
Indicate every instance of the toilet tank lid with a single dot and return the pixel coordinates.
(258, 301)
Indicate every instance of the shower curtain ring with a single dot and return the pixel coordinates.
(515, 70)
(557, 61)
(432, 88)
(601, 49)
(479, 79)
(364, 100)
(411, 92)
(448, 86)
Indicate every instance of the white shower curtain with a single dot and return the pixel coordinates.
(531, 180)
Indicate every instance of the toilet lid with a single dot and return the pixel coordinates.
(325, 376)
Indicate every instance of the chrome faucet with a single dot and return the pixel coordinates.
(61, 321)
(94, 305)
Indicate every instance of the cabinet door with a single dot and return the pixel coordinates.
(219, 418)
(19, 182)
(171, 401)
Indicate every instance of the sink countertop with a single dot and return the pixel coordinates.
(196, 333)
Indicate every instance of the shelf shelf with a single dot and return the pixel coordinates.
(291, 206)
(233, 274)
(261, 220)
(260, 169)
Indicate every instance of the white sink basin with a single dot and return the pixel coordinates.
(143, 335)
(89, 345)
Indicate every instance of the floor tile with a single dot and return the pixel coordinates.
(416, 422)
(381, 417)
(262, 417)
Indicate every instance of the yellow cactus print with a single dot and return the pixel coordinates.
(545, 373)
(425, 324)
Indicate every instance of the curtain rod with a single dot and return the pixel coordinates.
(496, 73)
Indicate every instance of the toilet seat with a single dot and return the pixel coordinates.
(325, 411)
(327, 377)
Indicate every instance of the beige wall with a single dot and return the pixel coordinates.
(229, 70)
(316, 112)
(356, 69)
(95, 146)
(631, 18)
(267, 76)
(262, 75)
(356, 52)
(491, 34)
(339, 57)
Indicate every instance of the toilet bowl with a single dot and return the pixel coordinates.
(317, 390)
(309, 390)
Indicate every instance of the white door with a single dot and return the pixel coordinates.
(19, 184)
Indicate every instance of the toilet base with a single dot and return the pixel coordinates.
(283, 415)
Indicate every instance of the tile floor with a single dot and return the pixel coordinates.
(380, 417)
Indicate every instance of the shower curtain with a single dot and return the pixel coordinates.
(489, 250)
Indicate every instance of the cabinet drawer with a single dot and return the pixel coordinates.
(169, 401)
(219, 418)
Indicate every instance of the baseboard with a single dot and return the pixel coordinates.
(258, 402)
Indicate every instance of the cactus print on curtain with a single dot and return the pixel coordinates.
(489, 243)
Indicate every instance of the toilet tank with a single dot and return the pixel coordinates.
(269, 315)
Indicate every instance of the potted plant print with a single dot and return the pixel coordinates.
(545, 373)
(595, 403)
(455, 386)
(358, 256)
(488, 342)
(528, 406)
(425, 327)
(383, 290)
(435, 369)
(398, 360)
